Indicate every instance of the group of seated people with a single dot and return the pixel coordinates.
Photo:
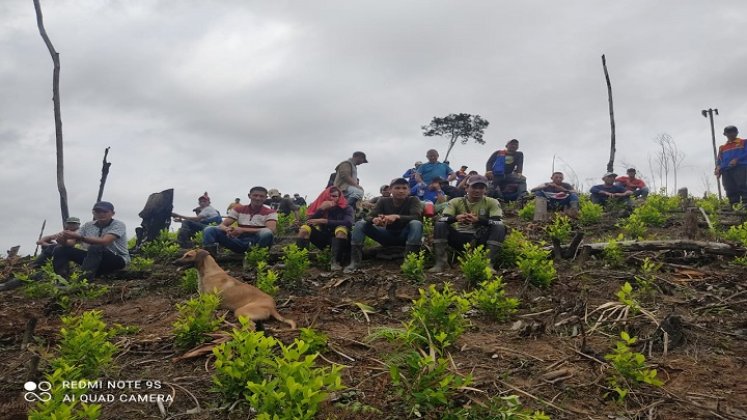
(468, 212)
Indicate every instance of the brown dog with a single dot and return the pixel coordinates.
(243, 299)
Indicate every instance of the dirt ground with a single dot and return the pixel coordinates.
(540, 354)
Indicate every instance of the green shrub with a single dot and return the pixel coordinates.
(527, 212)
(163, 248)
(737, 234)
(316, 340)
(646, 280)
(85, 344)
(589, 213)
(196, 318)
(427, 227)
(627, 297)
(65, 401)
(190, 281)
(560, 229)
(535, 264)
(141, 264)
(267, 279)
(475, 264)
(629, 367)
(293, 388)
(256, 255)
(633, 227)
(284, 223)
(413, 267)
(323, 259)
(439, 316)
(612, 253)
(491, 299)
(66, 293)
(425, 381)
(296, 262)
(511, 248)
(504, 408)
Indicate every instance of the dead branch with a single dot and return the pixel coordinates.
(717, 248)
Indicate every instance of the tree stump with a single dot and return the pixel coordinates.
(156, 216)
(540, 209)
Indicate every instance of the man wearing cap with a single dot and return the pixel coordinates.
(461, 174)
(504, 168)
(409, 175)
(433, 168)
(474, 218)
(192, 224)
(732, 166)
(559, 195)
(256, 224)
(346, 178)
(632, 183)
(104, 242)
(298, 200)
(609, 191)
(395, 221)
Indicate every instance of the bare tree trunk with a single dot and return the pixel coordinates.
(611, 163)
(104, 173)
(451, 146)
(57, 117)
(44, 224)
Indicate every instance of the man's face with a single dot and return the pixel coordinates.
(358, 160)
(731, 135)
(203, 203)
(432, 156)
(435, 186)
(631, 174)
(557, 178)
(385, 192)
(476, 191)
(609, 180)
(102, 216)
(512, 147)
(399, 191)
(257, 198)
(72, 226)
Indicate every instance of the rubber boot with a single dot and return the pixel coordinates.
(92, 261)
(356, 255)
(335, 249)
(439, 255)
(302, 243)
(494, 253)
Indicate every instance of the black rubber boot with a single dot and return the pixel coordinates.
(336, 250)
(92, 261)
(439, 255)
(356, 255)
(11, 284)
(302, 243)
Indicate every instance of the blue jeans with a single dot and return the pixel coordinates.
(241, 244)
(570, 201)
(412, 234)
(641, 192)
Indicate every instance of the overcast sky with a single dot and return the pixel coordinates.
(223, 95)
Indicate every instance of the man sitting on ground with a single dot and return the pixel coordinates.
(431, 192)
(395, 221)
(330, 219)
(256, 226)
(474, 218)
(384, 191)
(610, 192)
(631, 183)
(504, 168)
(433, 168)
(193, 224)
(559, 194)
(104, 242)
(409, 175)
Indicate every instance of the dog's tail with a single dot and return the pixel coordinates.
(275, 314)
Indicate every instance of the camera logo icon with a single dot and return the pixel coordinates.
(43, 395)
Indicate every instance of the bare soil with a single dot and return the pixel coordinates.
(704, 372)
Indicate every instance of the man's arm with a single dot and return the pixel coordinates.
(519, 161)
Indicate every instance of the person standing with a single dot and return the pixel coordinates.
(732, 166)
(346, 178)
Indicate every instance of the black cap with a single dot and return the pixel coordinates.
(730, 129)
(104, 205)
(362, 155)
(398, 181)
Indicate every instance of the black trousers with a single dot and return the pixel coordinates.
(96, 260)
(493, 234)
(735, 184)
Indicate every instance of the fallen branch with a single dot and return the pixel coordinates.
(717, 248)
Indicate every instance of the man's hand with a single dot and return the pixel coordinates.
(234, 232)
(326, 205)
(733, 163)
(379, 221)
(316, 222)
(717, 171)
(466, 218)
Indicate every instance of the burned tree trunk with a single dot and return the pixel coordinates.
(156, 216)
(57, 115)
(104, 173)
(611, 163)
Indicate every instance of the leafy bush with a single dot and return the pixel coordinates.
(256, 255)
(413, 267)
(612, 254)
(296, 262)
(560, 229)
(647, 278)
(535, 264)
(633, 227)
(504, 408)
(426, 383)
(511, 248)
(64, 292)
(427, 227)
(491, 299)
(293, 387)
(163, 248)
(267, 279)
(737, 234)
(190, 281)
(627, 297)
(323, 259)
(196, 318)
(589, 213)
(316, 340)
(527, 212)
(629, 367)
(439, 316)
(475, 264)
(284, 223)
(141, 264)
(57, 407)
(85, 344)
